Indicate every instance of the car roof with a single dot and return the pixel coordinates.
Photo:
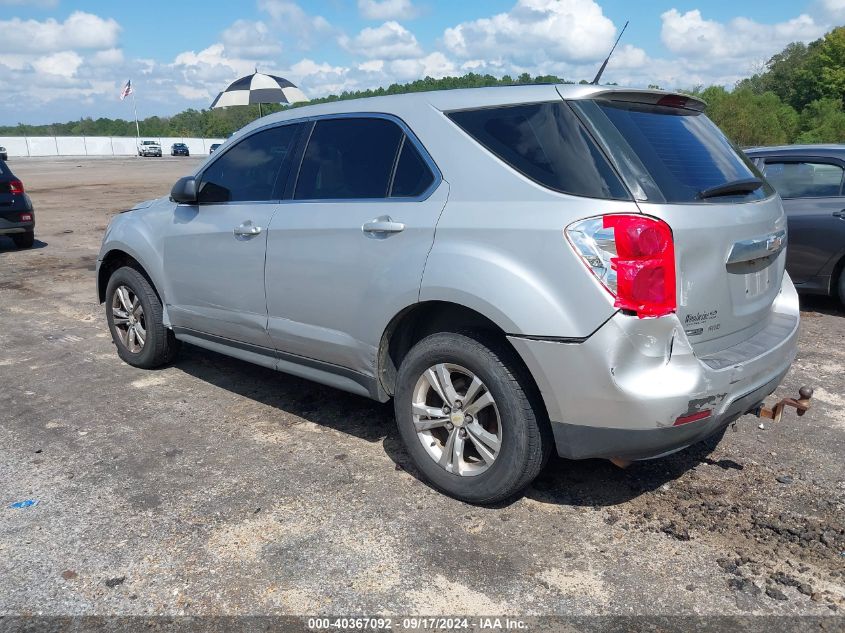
(830, 150)
(465, 98)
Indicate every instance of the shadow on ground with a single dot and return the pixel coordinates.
(6, 244)
(594, 483)
(822, 304)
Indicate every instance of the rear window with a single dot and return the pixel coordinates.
(670, 154)
(547, 143)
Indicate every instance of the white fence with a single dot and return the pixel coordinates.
(95, 145)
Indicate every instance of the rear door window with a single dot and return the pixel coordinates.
(547, 143)
(252, 170)
(804, 179)
(349, 158)
(671, 154)
(412, 176)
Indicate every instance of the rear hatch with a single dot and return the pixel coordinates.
(729, 228)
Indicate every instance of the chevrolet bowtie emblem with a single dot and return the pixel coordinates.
(774, 243)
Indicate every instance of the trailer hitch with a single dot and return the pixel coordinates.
(802, 405)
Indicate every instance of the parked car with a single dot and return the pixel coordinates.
(809, 178)
(214, 147)
(149, 148)
(17, 217)
(179, 149)
(591, 269)
(4, 154)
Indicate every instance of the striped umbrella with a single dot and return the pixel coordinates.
(259, 88)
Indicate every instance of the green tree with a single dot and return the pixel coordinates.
(749, 118)
(823, 121)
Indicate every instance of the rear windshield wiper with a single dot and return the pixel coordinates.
(735, 187)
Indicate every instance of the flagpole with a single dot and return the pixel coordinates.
(137, 129)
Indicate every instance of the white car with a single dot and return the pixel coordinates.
(149, 148)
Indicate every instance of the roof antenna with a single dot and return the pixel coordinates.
(595, 81)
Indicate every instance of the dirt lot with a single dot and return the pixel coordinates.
(213, 486)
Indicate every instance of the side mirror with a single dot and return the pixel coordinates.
(184, 191)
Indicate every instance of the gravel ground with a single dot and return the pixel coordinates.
(216, 487)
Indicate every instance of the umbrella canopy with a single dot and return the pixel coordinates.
(259, 88)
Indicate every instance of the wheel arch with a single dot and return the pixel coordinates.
(419, 320)
(117, 258)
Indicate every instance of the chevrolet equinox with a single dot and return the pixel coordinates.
(588, 269)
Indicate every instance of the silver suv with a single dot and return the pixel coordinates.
(592, 269)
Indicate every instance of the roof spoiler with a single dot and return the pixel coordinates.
(652, 97)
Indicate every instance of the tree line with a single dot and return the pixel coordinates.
(797, 97)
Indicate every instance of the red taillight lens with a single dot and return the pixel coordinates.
(26, 217)
(644, 265)
(16, 188)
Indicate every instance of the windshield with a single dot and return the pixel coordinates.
(671, 154)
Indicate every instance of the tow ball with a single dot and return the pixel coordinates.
(802, 405)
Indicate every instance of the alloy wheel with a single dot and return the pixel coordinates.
(128, 318)
(456, 419)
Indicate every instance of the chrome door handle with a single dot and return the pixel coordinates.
(247, 230)
(384, 224)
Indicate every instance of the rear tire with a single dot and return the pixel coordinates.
(24, 240)
(484, 449)
(134, 315)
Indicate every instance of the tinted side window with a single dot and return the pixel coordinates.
(547, 143)
(348, 158)
(249, 170)
(412, 175)
(804, 179)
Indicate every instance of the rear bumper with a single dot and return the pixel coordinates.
(620, 392)
(8, 217)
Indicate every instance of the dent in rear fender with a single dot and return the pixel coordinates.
(644, 374)
(522, 292)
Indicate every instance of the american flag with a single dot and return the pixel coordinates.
(127, 90)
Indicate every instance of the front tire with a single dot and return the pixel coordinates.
(470, 418)
(24, 240)
(134, 315)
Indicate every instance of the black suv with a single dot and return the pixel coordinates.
(17, 218)
(179, 149)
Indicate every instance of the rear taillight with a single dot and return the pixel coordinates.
(633, 256)
(16, 188)
(25, 217)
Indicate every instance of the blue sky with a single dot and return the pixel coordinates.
(64, 59)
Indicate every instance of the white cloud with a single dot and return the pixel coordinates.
(372, 66)
(391, 40)
(535, 31)
(109, 57)
(289, 18)
(80, 31)
(834, 9)
(689, 34)
(435, 65)
(245, 38)
(387, 9)
(64, 64)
